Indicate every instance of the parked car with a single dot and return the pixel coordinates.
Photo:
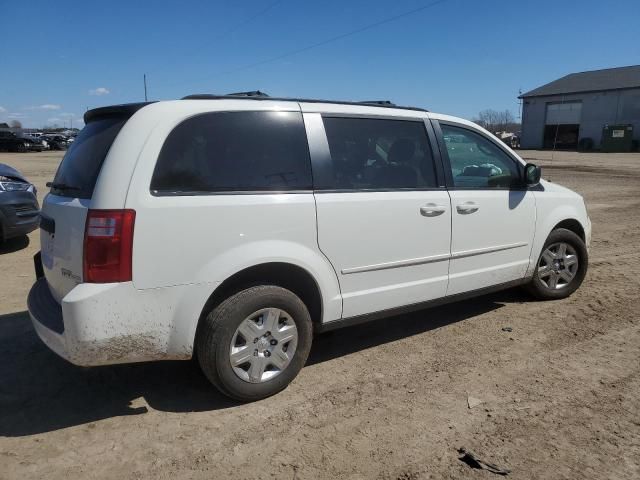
(33, 144)
(10, 142)
(233, 227)
(56, 142)
(35, 134)
(19, 210)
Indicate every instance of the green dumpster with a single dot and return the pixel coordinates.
(617, 138)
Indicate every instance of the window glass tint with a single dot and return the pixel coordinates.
(235, 151)
(477, 162)
(81, 164)
(370, 154)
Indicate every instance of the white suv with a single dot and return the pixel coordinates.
(234, 227)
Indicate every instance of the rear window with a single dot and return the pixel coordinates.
(234, 151)
(79, 169)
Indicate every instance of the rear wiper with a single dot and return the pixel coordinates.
(62, 186)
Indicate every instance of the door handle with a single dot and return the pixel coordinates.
(467, 208)
(432, 210)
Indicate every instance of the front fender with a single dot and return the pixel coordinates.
(551, 209)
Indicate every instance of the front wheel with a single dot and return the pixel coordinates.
(254, 343)
(561, 267)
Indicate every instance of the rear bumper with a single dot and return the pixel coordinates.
(103, 324)
(44, 310)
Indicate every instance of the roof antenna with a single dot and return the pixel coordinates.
(144, 76)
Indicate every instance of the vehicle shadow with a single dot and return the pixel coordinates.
(14, 244)
(40, 392)
(361, 337)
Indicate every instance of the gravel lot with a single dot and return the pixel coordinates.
(560, 392)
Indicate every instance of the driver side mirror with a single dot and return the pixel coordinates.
(532, 174)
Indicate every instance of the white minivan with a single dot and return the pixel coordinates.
(232, 228)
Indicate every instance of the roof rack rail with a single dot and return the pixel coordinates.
(386, 103)
(253, 93)
(258, 95)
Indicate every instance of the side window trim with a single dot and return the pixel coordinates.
(444, 154)
(436, 154)
(321, 161)
(321, 168)
(447, 163)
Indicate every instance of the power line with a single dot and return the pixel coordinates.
(323, 42)
(248, 20)
(238, 25)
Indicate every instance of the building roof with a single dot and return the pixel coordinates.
(593, 81)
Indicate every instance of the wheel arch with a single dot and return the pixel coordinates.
(572, 225)
(287, 275)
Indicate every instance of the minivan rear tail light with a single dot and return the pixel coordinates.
(108, 246)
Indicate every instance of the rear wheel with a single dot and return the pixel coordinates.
(253, 344)
(561, 267)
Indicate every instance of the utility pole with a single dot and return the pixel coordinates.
(520, 105)
(145, 87)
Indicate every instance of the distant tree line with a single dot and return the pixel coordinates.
(496, 121)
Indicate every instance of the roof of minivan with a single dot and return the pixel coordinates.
(372, 108)
(128, 109)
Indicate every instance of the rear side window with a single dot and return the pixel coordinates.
(79, 169)
(234, 151)
(377, 154)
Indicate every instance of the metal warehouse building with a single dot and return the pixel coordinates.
(579, 106)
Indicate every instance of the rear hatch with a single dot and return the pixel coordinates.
(64, 210)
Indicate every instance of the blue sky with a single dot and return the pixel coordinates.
(457, 56)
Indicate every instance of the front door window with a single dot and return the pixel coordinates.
(477, 162)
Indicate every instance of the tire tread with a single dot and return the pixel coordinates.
(210, 336)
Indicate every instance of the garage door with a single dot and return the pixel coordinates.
(563, 113)
(562, 125)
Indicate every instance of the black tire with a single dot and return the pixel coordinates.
(216, 332)
(541, 291)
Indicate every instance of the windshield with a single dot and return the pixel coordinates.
(79, 169)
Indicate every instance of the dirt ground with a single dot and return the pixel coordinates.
(560, 393)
